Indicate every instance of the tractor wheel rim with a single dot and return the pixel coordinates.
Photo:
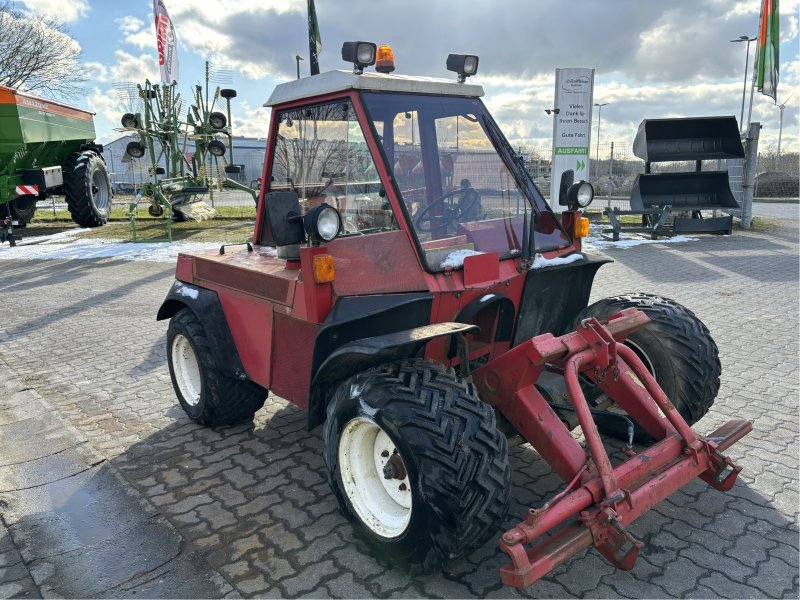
(375, 478)
(186, 369)
(99, 190)
(639, 352)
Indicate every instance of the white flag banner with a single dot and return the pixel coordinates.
(167, 43)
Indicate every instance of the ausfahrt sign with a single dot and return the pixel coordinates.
(572, 125)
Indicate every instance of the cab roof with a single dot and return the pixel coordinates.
(337, 81)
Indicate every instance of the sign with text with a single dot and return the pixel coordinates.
(572, 126)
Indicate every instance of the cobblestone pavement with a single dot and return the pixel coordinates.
(251, 505)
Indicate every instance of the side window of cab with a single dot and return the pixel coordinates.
(322, 155)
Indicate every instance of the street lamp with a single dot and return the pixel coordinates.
(599, 117)
(297, 59)
(744, 38)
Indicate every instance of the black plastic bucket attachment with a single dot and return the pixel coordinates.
(693, 138)
(706, 190)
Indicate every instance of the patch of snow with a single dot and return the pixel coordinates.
(540, 262)
(189, 292)
(456, 259)
(64, 246)
(633, 241)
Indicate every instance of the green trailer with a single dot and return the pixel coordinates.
(48, 148)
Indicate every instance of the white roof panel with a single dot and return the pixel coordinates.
(336, 81)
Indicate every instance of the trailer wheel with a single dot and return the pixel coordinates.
(416, 462)
(677, 349)
(87, 188)
(23, 209)
(208, 396)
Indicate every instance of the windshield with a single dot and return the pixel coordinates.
(459, 180)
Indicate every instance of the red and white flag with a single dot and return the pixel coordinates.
(167, 43)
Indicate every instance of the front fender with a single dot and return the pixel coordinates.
(362, 354)
(207, 308)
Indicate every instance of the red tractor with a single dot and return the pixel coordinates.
(408, 285)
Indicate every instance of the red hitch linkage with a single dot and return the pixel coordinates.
(607, 498)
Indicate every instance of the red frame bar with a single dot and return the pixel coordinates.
(609, 498)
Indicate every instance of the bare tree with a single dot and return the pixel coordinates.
(38, 55)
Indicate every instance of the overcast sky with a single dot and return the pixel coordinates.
(652, 58)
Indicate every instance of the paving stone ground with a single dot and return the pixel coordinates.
(250, 503)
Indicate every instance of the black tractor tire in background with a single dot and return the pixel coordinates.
(23, 209)
(219, 399)
(87, 189)
(454, 460)
(675, 346)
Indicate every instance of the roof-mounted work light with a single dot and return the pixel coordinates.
(361, 54)
(465, 65)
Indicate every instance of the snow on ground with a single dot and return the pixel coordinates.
(66, 246)
(627, 240)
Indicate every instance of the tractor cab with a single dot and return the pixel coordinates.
(388, 153)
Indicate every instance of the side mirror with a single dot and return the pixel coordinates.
(282, 226)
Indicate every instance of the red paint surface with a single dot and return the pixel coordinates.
(250, 322)
(291, 360)
(379, 263)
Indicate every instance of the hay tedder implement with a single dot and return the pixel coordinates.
(410, 288)
(187, 157)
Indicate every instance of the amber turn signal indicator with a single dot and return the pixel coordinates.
(323, 268)
(581, 227)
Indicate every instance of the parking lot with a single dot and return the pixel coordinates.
(107, 489)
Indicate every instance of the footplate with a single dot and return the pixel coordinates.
(600, 500)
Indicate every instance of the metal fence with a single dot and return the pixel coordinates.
(614, 173)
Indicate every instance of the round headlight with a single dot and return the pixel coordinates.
(585, 194)
(328, 223)
(580, 194)
(323, 222)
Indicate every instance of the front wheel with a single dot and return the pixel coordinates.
(676, 347)
(416, 463)
(207, 395)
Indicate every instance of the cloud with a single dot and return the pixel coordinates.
(136, 32)
(63, 10)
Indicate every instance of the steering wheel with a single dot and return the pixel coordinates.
(454, 210)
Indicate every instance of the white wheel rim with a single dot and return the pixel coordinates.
(186, 369)
(383, 505)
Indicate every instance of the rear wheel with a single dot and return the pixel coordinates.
(416, 462)
(207, 395)
(23, 209)
(677, 349)
(87, 188)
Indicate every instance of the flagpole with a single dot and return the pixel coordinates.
(755, 65)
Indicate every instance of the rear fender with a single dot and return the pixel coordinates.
(362, 354)
(207, 308)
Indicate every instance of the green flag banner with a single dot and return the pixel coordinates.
(768, 46)
(314, 39)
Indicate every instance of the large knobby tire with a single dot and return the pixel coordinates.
(23, 209)
(677, 349)
(87, 188)
(448, 481)
(208, 396)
